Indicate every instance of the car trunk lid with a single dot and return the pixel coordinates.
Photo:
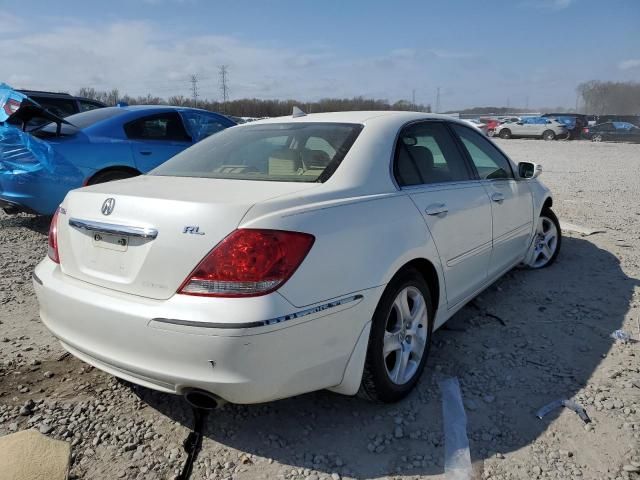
(144, 235)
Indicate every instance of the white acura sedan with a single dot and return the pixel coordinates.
(291, 255)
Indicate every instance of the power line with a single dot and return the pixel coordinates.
(224, 87)
(194, 89)
(438, 100)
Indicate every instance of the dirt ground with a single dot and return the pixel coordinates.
(533, 337)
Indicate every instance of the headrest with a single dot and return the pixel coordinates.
(422, 156)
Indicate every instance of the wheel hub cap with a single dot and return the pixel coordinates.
(545, 243)
(405, 336)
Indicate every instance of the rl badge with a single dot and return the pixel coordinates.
(192, 229)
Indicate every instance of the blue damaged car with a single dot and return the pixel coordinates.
(39, 167)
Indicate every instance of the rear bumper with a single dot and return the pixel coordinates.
(13, 207)
(133, 338)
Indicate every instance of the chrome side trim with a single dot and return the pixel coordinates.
(513, 233)
(474, 251)
(261, 323)
(113, 229)
(36, 278)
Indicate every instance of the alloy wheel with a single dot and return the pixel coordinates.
(545, 242)
(405, 336)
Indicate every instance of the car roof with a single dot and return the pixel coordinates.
(134, 108)
(389, 117)
(60, 95)
(41, 93)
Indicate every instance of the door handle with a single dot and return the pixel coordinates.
(497, 197)
(437, 209)
(146, 152)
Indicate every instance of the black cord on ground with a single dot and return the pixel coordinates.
(193, 442)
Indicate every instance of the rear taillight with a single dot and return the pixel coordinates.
(248, 263)
(52, 251)
(585, 130)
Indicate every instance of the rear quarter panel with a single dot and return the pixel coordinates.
(360, 244)
(96, 153)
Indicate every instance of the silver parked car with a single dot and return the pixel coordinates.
(533, 127)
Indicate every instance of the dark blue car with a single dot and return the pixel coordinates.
(39, 167)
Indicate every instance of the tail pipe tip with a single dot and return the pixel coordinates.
(202, 399)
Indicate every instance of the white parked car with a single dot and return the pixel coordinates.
(533, 127)
(290, 255)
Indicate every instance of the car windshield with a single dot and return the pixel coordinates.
(281, 152)
(80, 121)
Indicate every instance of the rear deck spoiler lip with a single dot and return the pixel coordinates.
(17, 106)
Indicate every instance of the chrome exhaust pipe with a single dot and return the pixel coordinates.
(203, 400)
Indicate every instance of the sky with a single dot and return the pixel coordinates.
(477, 52)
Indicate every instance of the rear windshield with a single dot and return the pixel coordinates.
(280, 152)
(80, 121)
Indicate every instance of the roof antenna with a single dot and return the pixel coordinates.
(297, 112)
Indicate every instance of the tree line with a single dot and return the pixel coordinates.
(254, 107)
(601, 98)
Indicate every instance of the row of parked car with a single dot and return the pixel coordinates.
(553, 126)
(64, 142)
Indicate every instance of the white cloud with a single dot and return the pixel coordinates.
(629, 64)
(140, 57)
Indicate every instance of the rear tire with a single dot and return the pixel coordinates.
(548, 135)
(400, 339)
(505, 133)
(110, 176)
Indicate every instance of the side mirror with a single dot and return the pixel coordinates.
(529, 170)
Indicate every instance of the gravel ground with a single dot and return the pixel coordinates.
(534, 337)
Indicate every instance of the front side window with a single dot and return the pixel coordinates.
(283, 152)
(426, 153)
(488, 160)
(163, 126)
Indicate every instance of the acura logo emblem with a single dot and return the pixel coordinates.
(108, 206)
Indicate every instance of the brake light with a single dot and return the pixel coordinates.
(585, 130)
(249, 263)
(52, 250)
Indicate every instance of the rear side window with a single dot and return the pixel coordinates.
(489, 162)
(163, 126)
(85, 105)
(426, 153)
(58, 106)
(201, 125)
(280, 152)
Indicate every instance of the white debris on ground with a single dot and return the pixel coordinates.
(555, 344)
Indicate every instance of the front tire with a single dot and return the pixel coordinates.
(546, 242)
(548, 135)
(400, 339)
